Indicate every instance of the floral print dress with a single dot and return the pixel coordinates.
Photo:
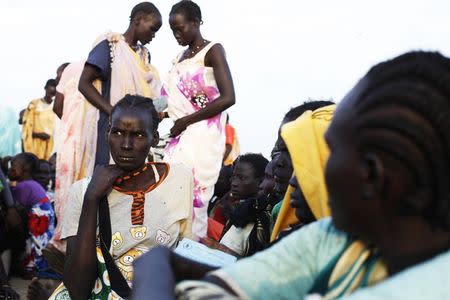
(189, 87)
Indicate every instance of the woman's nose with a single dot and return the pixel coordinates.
(127, 143)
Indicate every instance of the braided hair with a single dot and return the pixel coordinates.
(404, 111)
(146, 104)
(189, 9)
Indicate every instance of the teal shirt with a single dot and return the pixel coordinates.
(289, 268)
(428, 280)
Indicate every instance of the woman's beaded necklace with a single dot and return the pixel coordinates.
(131, 175)
(195, 50)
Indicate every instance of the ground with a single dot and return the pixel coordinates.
(20, 286)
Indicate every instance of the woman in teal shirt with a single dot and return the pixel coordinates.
(387, 179)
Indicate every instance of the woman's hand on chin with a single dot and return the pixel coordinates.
(102, 181)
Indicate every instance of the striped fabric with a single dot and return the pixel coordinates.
(137, 208)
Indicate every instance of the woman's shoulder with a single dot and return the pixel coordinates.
(33, 104)
(214, 47)
(177, 175)
(214, 54)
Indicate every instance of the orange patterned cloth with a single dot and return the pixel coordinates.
(137, 208)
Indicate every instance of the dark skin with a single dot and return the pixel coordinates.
(268, 183)
(21, 116)
(58, 104)
(244, 183)
(187, 33)
(50, 92)
(19, 170)
(130, 138)
(228, 149)
(174, 266)
(142, 28)
(366, 185)
(283, 168)
(6, 291)
(282, 171)
(298, 201)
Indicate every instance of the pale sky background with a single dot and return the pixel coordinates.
(281, 53)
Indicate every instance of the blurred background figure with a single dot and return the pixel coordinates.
(39, 124)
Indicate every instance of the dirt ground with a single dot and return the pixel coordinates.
(20, 286)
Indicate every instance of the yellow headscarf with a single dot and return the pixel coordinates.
(305, 141)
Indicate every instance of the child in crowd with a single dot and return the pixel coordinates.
(41, 217)
(248, 225)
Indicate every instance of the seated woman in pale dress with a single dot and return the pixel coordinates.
(146, 204)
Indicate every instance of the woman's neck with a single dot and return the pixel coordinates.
(144, 177)
(412, 242)
(197, 42)
(130, 37)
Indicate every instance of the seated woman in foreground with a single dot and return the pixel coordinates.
(387, 178)
(140, 205)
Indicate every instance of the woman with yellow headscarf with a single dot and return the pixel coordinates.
(304, 139)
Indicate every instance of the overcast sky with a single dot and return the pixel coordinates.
(281, 53)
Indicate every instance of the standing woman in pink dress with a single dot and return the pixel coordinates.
(199, 88)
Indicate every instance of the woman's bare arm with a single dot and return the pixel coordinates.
(87, 88)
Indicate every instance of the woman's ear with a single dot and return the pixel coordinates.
(197, 23)
(137, 19)
(373, 175)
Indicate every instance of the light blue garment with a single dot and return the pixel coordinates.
(288, 269)
(10, 137)
(429, 280)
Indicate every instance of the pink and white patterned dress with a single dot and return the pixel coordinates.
(189, 87)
